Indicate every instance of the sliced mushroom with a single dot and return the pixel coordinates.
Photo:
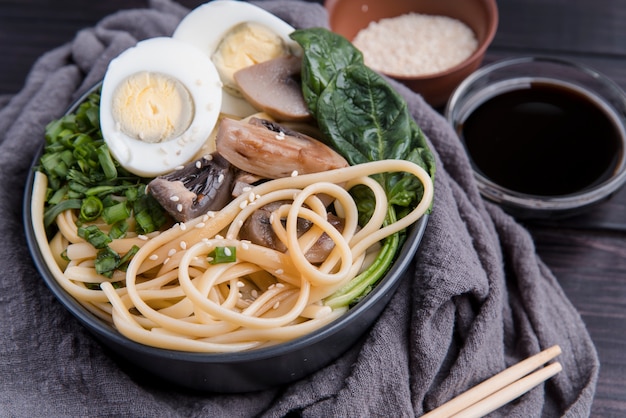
(200, 186)
(269, 150)
(274, 87)
(258, 230)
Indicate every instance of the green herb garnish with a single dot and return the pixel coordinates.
(222, 255)
(83, 175)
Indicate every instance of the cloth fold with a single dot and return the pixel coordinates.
(476, 299)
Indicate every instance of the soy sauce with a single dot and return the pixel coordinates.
(543, 139)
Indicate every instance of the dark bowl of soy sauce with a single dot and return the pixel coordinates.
(546, 137)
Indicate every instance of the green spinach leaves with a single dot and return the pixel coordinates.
(364, 119)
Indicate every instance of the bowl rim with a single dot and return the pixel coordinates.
(493, 22)
(101, 329)
(540, 203)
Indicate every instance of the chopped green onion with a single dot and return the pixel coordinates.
(116, 213)
(91, 208)
(118, 230)
(106, 162)
(107, 261)
(124, 261)
(222, 255)
(58, 195)
(94, 236)
(82, 175)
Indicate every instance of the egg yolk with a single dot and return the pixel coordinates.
(244, 45)
(152, 107)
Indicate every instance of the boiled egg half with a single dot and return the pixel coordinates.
(160, 101)
(236, 34)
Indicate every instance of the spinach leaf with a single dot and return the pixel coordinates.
(324, 56)
(363, 118)
(359, 113)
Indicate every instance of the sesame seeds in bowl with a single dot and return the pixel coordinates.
(437, 44)
(432, 59)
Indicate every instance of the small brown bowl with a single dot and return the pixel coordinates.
(348, 17)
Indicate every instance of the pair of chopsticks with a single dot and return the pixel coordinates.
(501, 388)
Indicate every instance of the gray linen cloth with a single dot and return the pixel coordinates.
(476, 300)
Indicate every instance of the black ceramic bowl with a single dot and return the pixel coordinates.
(243, 371)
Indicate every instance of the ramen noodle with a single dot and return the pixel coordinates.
(172, 296)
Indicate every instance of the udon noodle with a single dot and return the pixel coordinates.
(171, 295)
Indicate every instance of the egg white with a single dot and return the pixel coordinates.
(178, 60)
(206, 25)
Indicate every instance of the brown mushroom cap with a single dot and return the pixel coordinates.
(274, 87)
(202, 185)
(269, 150)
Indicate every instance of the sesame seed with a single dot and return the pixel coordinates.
(436, 44)
(220, 178)
(171, 252)
(183, 245)
(272, 218)
(200, 225)
(240, 284)
(251, 197)
(154, 257)
(246, 189)
(294, 173)
(198, 165)
(166, 261)
(279, 272)
(180, 167)
(208, 157)
(183, 227)
(276, 305)
(174, 198)
(218, 236)
(280, 285)
(228, 252)
(254, 293)
(142, 237)
(243, 204)
(179, 207)
(240, 223)
(210, 214)
(245, 245)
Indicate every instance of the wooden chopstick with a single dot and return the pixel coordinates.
(508, 393)
(502, 382)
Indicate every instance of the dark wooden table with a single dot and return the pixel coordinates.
(586, 253)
